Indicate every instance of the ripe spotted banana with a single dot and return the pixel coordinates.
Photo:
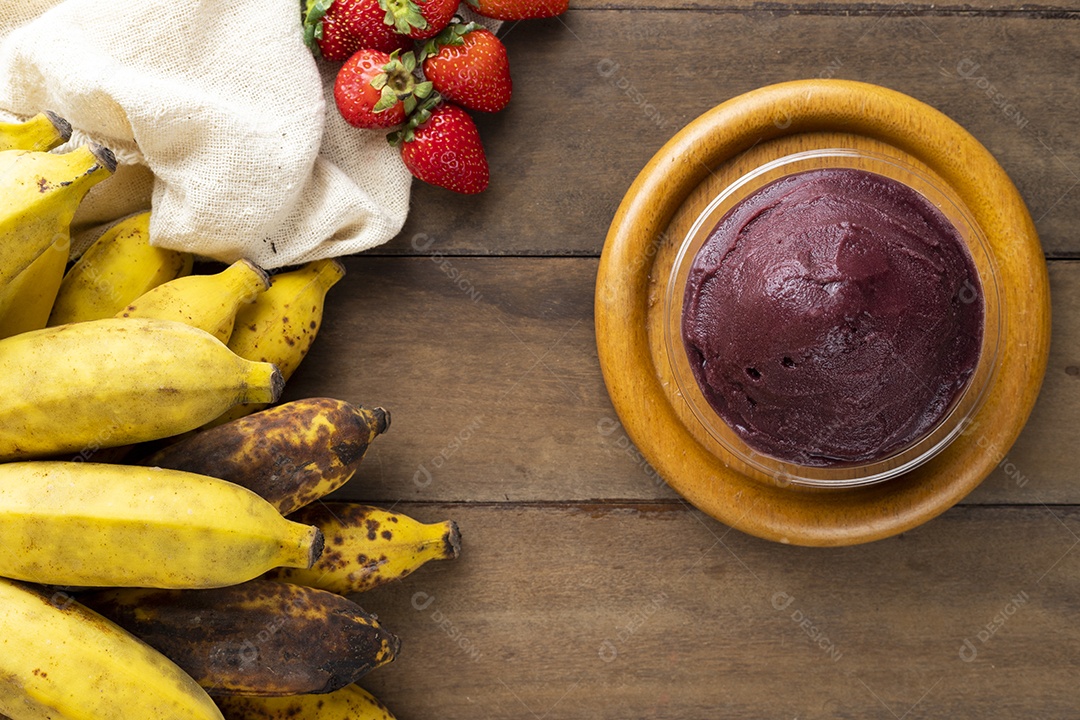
(41, 192)
(280, 326)
(42, 132)
(257, 638)
(111, 382)
(120, 266)
(92, 524)
(367, 547)
(351, 702)
(291, 454)
(208, 302)
(60, 661)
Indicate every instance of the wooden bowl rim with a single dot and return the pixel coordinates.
(792, 515)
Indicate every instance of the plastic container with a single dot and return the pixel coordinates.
(771, 469)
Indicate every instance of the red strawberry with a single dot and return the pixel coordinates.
(376, 90)
(442, 147)
(326, 24)
(367, 22)
(467, 64)
(519, 9)
(419, 19)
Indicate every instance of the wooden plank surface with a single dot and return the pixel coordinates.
(586, 587)
(837, 7)
(489, 368)
(609, 611)
(599, 91)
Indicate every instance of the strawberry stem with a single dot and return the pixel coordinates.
(454, 34)
(417, 117)
(313, 15)
(404, 15)
(397, 82)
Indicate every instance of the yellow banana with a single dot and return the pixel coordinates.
(104, 383)
(26, 299)
(367, 547)
(291, 454)
(41, 192)
(120, 266)
(351, 702)
(208, 302)
(256, 638)
(281, 324)
(25, 302)
(61, 661)
(42, 132)
(92, 524)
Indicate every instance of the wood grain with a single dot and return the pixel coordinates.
(600, 611)
(598, 92)
(836, 7)
(489, 368)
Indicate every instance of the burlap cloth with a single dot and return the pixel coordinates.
(222, 120)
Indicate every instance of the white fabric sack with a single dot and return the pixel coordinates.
(219, 116)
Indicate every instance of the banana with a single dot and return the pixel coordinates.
(41, 192)
(351, 702)
(367, 547)
(61, 661)
(26, 299)
(281, 324)
(208, 302)
(105, 383)
(291, 454)
(98, 525)
(258, 638)
(42, 132)
(25, 302)
(118, 267)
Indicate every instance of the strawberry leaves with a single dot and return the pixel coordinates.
(313, 14)
(419, 19)
(397, 83)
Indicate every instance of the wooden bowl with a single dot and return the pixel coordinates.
(651, 224)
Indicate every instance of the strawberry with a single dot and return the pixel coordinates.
(441, 146)
(519, 9)
(467, 65)
(325, 27)
(419, 19)
(376, 90)
(367, 22)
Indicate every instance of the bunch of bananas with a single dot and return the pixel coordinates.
(194, 564)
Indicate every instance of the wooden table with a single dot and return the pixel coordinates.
(586, 587)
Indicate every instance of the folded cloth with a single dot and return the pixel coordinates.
(219, 116)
